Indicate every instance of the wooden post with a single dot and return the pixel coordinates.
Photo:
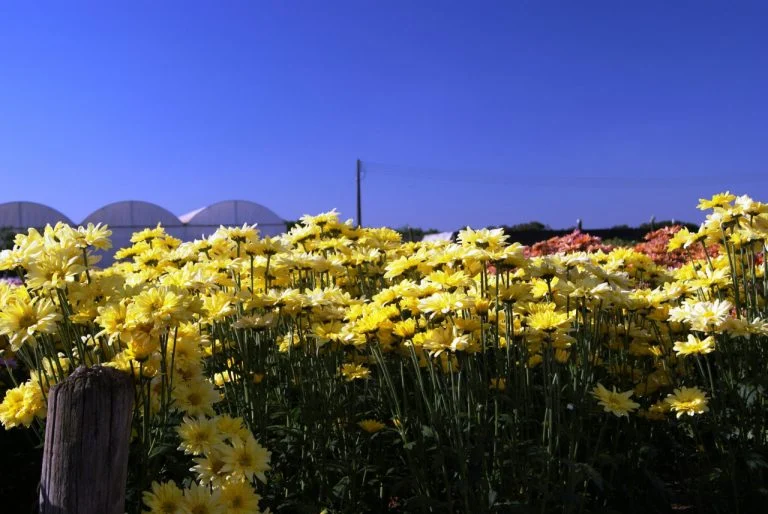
(85, 457)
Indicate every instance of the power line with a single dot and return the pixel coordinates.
(571, 181)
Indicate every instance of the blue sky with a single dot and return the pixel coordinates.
(464, 113)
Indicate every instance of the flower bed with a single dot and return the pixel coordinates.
(337, 368)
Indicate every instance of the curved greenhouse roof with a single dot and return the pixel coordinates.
(24, 215)
(232, 213)
(132, 213)
(126, 217)
(130, 216)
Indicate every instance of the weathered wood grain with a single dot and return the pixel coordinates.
(85, 456)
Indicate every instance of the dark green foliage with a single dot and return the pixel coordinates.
(6, 238)
(415, 233)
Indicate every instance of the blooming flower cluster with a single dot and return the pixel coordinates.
(206, 327)
(657, 246)
(576, 241)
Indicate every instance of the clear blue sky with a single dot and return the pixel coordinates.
(476, 112)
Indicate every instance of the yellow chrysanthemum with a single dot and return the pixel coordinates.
(199, 435)
(209, 469)
(688, 400)
(239, 498)
(22, 405)
(23, 318)
(548, 320)
(618, 404)
(164, 498)
(371, 425)
(694, 346)
(196, 397)
(718, 200)
(245, 458)
(352, 372)
(199, 499)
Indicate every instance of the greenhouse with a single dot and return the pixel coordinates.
(126, 217)
(20, 216)
(204, 221)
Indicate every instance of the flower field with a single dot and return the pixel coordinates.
(336, 369)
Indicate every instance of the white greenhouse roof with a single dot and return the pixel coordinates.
(133, 214)
(441, 236)
(126, 217)
(232, 213)
(188, 216)
(24, 215)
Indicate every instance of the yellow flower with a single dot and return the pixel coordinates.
(22, 405)
(148, 234)
(706, 316)
(657, 411)
(160, 306)
(499, 384)
(94, 235)
(218, 306)
(694, 345)
(443, 339)
(225, 378)
(245, 459)
(548, 320)
(199, 499)
(326, 332)
(246, 233)
(445, 303)
(142, 342)
(451, 280)
(257, 322)
(231, 428)
(12, 412)
(405, 329)
(467, 325)
(681, 239)
(199, 435)
(619, 404)
(401, 265)
(688, 400)
(195, 397)
(209, 469)
(482, 305)
(267, 246)
(23, 317)
(164, 498)
(239, 498)
(185, 351)
(516, 292)
(371, 425)
(490, 239)
(55, 267)
(718, 200)
(702, 316)
(562, 355)
(352, 372)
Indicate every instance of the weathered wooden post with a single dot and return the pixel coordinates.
(85, 457)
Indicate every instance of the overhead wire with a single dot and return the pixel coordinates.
(570, 181)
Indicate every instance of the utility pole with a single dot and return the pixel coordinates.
(359, 205)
